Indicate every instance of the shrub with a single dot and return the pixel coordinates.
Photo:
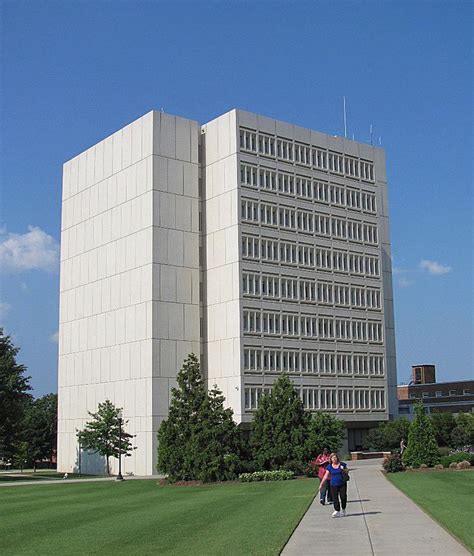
(453, 465)
(311, 469)
(277, 475)
(438, 466)
(444, 451)
(393, 463)
(280, 428)
(463, 465)
(423, 466)
(422, 447)
(457, 458)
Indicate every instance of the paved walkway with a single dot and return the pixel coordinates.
(33, 482)
(380, 521)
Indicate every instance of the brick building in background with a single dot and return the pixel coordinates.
(437, 397)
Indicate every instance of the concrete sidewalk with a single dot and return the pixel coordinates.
(34, 482)
(380, 521)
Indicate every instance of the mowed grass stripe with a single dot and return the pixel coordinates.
(447, 496)
(140, 517)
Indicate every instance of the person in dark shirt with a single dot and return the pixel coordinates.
(337, 475)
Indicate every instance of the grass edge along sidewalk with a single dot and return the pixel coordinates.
(446, 496)
(141, 517)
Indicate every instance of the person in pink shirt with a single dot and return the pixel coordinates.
(323, 460)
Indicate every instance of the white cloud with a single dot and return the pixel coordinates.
(34, 250)
(5, 308)
(404, 283)
(433, 267)
(54, 337)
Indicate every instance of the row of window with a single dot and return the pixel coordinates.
(257, 359)
(307, 256)
(306, 188)
(307, 222)
(305, 155)
(326, 399)
(288, 288)
(440, 394)
(271, 323)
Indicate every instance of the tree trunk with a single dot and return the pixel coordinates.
(108, 468)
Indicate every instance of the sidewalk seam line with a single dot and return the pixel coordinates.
(365, 521)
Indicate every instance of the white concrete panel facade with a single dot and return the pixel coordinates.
(129, 281)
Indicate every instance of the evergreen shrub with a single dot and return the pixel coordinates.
(199, 440)
(422, 447)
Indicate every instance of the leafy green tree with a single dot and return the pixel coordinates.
(102, 434)
(443, 425)
(40, 428)
(22, 456)
(280, 428)
(14, 396)
(463, 433)
(199, 440)
(325, 431)
(388, 435)
(422, 446)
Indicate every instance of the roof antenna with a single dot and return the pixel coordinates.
(380, 141)
(162, 110)
(345, 116)
(371, 135)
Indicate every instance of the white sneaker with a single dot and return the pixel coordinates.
(336, 514)
(343, 513)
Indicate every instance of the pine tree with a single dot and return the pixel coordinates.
(325, 431)
(280, 428)
(102, 435)
(14, 397)
(199, 440)
(422, 446)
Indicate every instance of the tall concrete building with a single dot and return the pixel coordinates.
(259, 245)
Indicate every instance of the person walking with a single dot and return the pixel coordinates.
(322, 460)
(337, 474)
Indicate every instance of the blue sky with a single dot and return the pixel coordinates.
(74, 72)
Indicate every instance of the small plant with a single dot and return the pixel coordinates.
(311, 469)
(278, 475)
(423, 466)
(457, 457)
(463, 465)
(438, 466)
(453, 465)
(393, 463)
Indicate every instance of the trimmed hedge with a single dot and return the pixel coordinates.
(457, 458)
(279, 475)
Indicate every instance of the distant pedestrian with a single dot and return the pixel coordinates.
(323, 460)
(337, 475)
(402, 446)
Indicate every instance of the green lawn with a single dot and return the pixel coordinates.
(446, 496)
(141, 517)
